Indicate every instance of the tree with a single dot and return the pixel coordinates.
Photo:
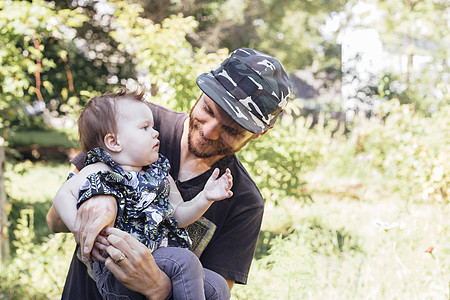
(165, 60)
(57, 55)
(418, 30)
(27, 27)
(4, 241)
(287, 29)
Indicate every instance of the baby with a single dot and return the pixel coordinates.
(116, 131)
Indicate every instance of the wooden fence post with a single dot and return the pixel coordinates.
(4, 241)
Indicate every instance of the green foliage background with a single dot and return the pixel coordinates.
(323, 195)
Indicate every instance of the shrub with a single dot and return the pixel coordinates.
(36, 271)
(278, 159)
(410, 148)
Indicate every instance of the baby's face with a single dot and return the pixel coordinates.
(139, 141)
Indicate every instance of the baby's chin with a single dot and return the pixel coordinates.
(150, 161)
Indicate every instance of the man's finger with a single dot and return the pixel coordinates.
(115, 269)
(83, 216)
(117, 260)
(130, 240)
(101, 239)
(90, 233)
(121, 244)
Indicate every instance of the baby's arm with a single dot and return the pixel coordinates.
(65, 200)
(216, 189)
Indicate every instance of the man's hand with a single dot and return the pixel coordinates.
(137, 269)
(93, 215)
(219, 189)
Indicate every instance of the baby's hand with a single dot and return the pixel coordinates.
(100, 245)
(219, 189)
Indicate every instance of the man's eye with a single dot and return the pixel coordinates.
(231, 131)
(209, 111)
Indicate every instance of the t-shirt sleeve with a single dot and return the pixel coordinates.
(96, 184)
(231, 253)
(78, 161)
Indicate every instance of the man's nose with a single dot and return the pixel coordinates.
(212, 130)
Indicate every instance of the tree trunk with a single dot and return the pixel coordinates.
(4, 241)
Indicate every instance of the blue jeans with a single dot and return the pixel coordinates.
(189, 279)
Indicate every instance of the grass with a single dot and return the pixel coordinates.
(43, 138)
(33, 185)
(334, 249)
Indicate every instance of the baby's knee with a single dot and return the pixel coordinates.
(189, 261)
(216, 287)
(180, 260)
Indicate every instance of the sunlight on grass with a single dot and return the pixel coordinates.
(368, 263)
(40, 181)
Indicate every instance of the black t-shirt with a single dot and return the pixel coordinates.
(237, 219)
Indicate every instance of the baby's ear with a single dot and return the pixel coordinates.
(112, 143)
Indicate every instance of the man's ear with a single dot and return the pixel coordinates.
(112, 143)
(261, 134)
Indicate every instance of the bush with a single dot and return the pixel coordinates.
(411, 149)
(36, 271)
(278, 159)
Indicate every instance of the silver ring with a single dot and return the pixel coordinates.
(122, 257)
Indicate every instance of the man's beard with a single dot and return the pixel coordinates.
(208, 149)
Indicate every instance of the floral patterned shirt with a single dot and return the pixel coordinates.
(143, 204)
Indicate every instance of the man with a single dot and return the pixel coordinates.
(241, 100)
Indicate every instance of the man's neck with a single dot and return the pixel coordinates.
(190, 165)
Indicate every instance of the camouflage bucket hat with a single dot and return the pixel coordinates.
(250, 86)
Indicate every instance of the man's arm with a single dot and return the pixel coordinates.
(55, 222)
(230, 283)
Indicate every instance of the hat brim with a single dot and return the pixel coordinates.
(238, 112)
